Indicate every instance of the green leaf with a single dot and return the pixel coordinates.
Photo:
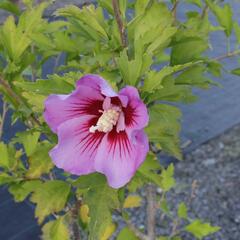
(150, 168)
(194, 76)
(151, 31)
(21, 190)
(140, 7)
(50, 197)
(136, 182)
(13, 40)
(172, 92)
(108, 231)
(90, 16)
(214, 67)
(94, 180)
(123, 7)
(5, 178)
(126, 233)
(84, 213)
(237, 31)
(56, 230)
(107, 4)
(196, 2)
(100, 201)
(182, 211)
(29, 140)
(224, 16)
(10, 7)
(200, 229)
(131, 70)
(40, 162)
(34, 100)
(132, 201)
(4, 159)
(9, 156)
(236, 71)
(167, 178)
(55, 84)
(154, 79)
(31, 20)
(164, 206)
(164, 128)
(180, 50)
(162, 41)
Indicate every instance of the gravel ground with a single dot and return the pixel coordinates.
(214, 169)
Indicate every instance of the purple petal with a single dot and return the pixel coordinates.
(120, 154)
(136, 114)
(60, 108)
(98, 83)
(77, 147)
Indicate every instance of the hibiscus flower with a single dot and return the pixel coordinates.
(98, 130)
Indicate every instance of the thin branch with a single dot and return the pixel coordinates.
(136, 231)
(175, 230)
(151, 212)
(230, 54)
(174, 9)
(205, 11)
(4, 113)
(75, 225)
(33, 66)
(120, 24)
(56, 63)
(17, 98)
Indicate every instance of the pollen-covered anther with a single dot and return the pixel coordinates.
(108, 119)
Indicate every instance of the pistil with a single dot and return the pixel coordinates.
(107, 121)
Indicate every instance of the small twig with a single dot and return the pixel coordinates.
(17, 98)
(33, 66)
(151, 212)
(75, 225)
(205, 11)
(175, 230)
(120, 24)
(174, 9)
(136, 231)
(193, 192)
(56, 63)
(4, 112)
(230, 54)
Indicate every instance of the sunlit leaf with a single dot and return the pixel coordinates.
(51, 197)
(56, 230)
(200, 229)
(132, 201)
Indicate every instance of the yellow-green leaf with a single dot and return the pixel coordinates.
(132, 201)
(4, 159)
(56, 230)
(126, 234)
(50, 197)
(110, 229)
(29, 140)
(182, 210)
(200, 229)
(84, 213)
(39, 161)
(21, 190)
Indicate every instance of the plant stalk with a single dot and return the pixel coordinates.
(75, 225)
(17, 98)
(151, 212)
(230, 54)
(4, 112)
(120, 24)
